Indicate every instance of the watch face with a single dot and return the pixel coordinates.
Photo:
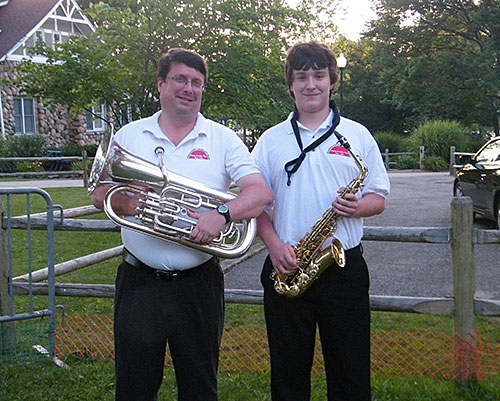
(222, 209)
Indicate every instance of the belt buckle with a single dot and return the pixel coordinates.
(160, 275)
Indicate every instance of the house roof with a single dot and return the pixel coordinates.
(18, 18)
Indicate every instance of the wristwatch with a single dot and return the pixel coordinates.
(224, 210)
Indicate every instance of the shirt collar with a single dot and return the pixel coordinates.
(151, 125)
(325, 125)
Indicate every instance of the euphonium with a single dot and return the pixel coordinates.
(165, 204)
(311, 259)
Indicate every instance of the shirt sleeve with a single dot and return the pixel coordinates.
(239, 163)
(260, 155)
(377, 181)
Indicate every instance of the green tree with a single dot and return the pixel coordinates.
(243, 42)
(440, 58)
(365, 93)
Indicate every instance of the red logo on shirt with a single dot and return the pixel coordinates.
(338, 150)
(198, 154)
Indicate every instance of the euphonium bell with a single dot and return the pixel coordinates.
(167, 198)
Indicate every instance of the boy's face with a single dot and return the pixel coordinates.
(311, 89)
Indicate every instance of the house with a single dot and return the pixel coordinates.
(22, 24)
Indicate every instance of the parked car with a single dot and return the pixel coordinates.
(479, 178)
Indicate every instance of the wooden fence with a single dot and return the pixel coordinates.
(386, 155)
(455, 158)
(56, 173)
(461, 236)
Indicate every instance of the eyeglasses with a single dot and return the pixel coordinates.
(182, 80)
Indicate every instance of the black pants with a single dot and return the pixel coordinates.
(187, 314)
(338, 304)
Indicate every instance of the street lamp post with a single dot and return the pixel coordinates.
(341, 64)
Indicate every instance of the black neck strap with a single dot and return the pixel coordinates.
(293, 165)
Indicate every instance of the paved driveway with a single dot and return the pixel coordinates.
(408, 269)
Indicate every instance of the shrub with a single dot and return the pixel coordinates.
(389, 140)
(76, 165)
(438, 136)
(76, 150)
(6, 167)
(26, 145)
(3, 148)
(434, 163)
(406, 162)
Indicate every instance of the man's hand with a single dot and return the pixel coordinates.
(126, 204)
(208, 227)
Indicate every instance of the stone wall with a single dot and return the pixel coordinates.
(57, 124)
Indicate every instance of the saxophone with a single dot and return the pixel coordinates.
(313, 261)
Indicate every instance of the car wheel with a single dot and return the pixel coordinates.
(457, 189)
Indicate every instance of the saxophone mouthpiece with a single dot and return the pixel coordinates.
(344, 142)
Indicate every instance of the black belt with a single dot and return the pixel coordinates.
(167, 275)
(356, 251)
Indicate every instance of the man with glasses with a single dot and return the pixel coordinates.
(167, 293)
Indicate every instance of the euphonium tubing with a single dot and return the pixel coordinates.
(152, 224)
(164, 214)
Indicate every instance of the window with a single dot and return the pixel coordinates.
(490, 153)
(56, 39)
(95, 118)
(39, 36)
(24, 115)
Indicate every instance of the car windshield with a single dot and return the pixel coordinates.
(490, 153)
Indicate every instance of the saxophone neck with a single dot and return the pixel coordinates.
(363, 168)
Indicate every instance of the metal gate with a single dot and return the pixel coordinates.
(27, 322)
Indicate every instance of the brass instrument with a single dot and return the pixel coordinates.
(164, 214)
(313, 261)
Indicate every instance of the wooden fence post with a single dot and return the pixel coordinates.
(421, 156)
(464, 287)
(452, 160)
(85, 167)
(386, 159)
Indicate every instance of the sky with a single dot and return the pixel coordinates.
(352, 15)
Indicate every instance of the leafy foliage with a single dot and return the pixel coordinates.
(76, 150)
(439, 59)
(243, 42)
(420, 60)
(29, 145)
(434, 163)
(389, 140)
(438, 136)
(406, 162)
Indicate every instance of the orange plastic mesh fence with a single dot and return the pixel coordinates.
(405, 353)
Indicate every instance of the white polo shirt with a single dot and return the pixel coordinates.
(211, 154)
(324, 170)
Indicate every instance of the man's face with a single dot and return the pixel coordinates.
(182, 98)
(311, 89)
